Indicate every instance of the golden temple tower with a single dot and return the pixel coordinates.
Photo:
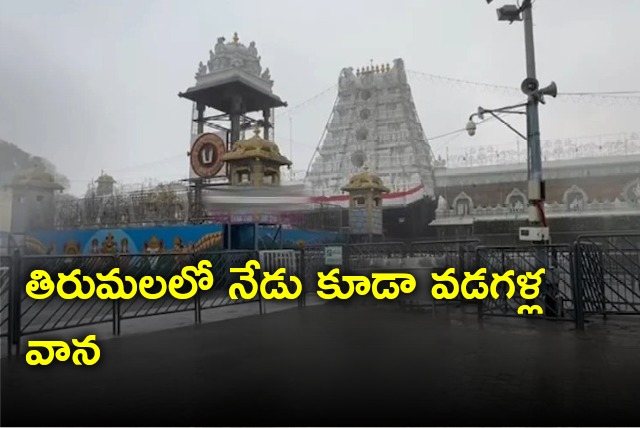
(365, 204)
(255, 162)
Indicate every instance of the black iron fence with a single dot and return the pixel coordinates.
(597, 275)
(556, 297)
(22, 315)
(419, 258)
(5, 283)
(607, 275)
(313, 261)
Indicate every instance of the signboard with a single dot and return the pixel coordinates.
(206, 155)
(333, 256)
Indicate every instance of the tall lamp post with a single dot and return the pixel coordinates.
(538, 230)
(530, 87)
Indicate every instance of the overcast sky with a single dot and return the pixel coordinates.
(93, 84)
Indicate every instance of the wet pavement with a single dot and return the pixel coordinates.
(342, 365)
(142, 325)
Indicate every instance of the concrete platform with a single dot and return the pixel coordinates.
(341, 365)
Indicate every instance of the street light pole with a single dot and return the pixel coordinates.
(536, 192)
(538, 232)
(536, 196)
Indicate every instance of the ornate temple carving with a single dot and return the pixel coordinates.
(516, 200)
(552, 150)
(202, 70)
(631, 191)
(347, 79)
(462, 204)
(575, 198)
(234, 55)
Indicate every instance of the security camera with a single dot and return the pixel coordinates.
(471, 128)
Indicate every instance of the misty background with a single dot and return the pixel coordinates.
(92, 85)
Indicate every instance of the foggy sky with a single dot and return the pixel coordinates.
(93, 85)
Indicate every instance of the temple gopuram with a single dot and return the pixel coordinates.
(375, 121)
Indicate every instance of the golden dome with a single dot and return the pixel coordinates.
(365, 180)
(256, 147)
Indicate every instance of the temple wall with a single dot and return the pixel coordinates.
(582, 196)
(487, 195)
(582, 185)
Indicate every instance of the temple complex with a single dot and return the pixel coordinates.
(403, 192)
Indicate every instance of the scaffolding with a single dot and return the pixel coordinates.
(154, 204)
(141, 205)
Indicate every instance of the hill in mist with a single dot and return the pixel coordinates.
(14, 159)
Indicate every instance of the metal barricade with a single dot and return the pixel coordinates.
(290, 260)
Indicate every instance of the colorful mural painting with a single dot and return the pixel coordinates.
(127, 241)
(168, 239)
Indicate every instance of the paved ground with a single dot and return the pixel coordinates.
(341, 365)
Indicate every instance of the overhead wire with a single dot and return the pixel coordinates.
(324, 132)
(630, 96)
(601, 93)
(289, 111)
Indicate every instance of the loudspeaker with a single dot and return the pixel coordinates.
(551, 90)
(529, 85)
